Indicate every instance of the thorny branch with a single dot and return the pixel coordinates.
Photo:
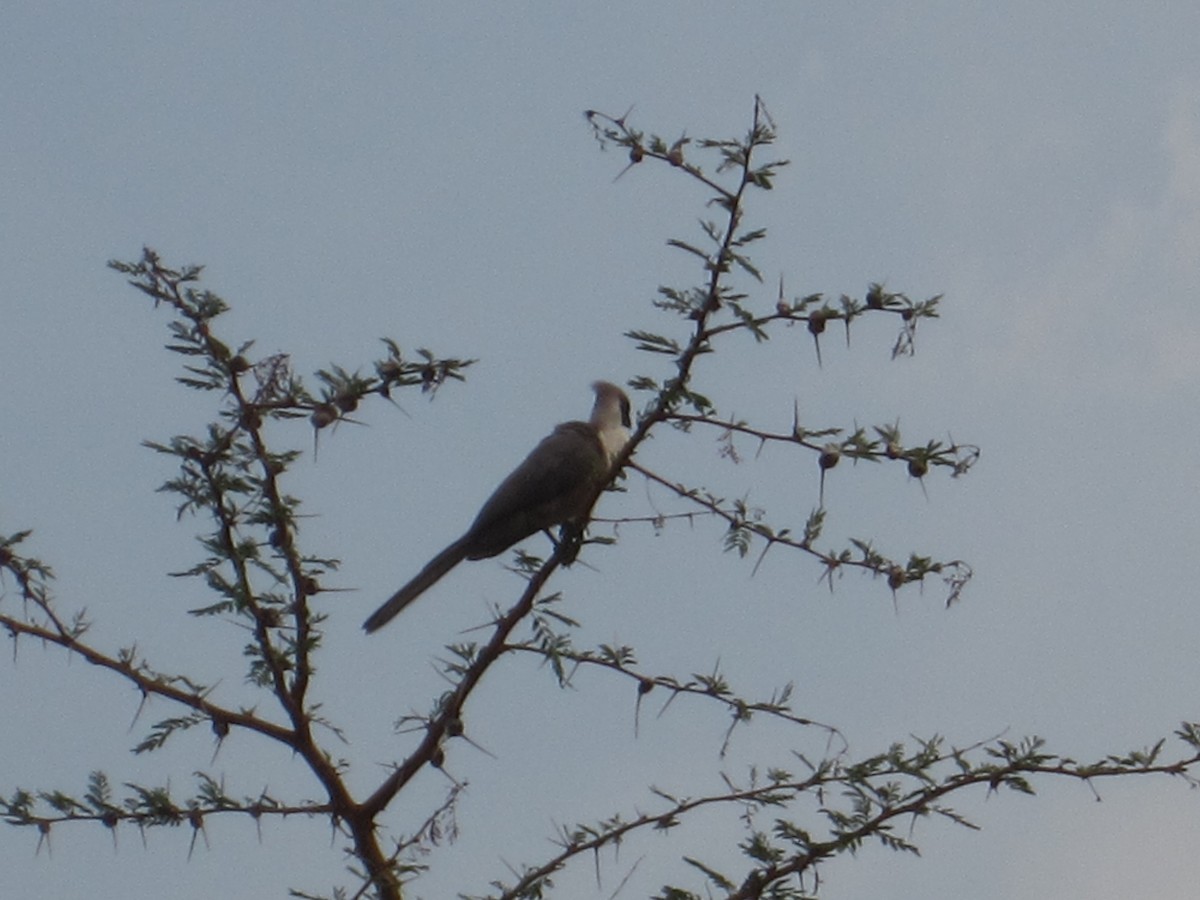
(253, 563)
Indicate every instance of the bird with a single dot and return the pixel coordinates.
(552, 486)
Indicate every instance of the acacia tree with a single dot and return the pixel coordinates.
(263, 577)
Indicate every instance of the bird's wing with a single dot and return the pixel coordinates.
(546, 489)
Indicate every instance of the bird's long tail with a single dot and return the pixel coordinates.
(425, 579)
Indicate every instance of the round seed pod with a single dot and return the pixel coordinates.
(323, 416)
(831, 454)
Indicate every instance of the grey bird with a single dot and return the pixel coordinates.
(551, 487)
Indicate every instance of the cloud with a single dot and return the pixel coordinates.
(1181, 140)
(1139, 842)
(1117, 309)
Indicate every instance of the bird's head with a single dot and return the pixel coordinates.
(613, 402)
(610, 417)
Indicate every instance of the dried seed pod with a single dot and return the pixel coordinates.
(279, 538)
(324, 416)
(831, 454)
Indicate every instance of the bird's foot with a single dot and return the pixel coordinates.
(569, 541)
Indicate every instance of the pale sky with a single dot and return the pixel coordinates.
(424, 172)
